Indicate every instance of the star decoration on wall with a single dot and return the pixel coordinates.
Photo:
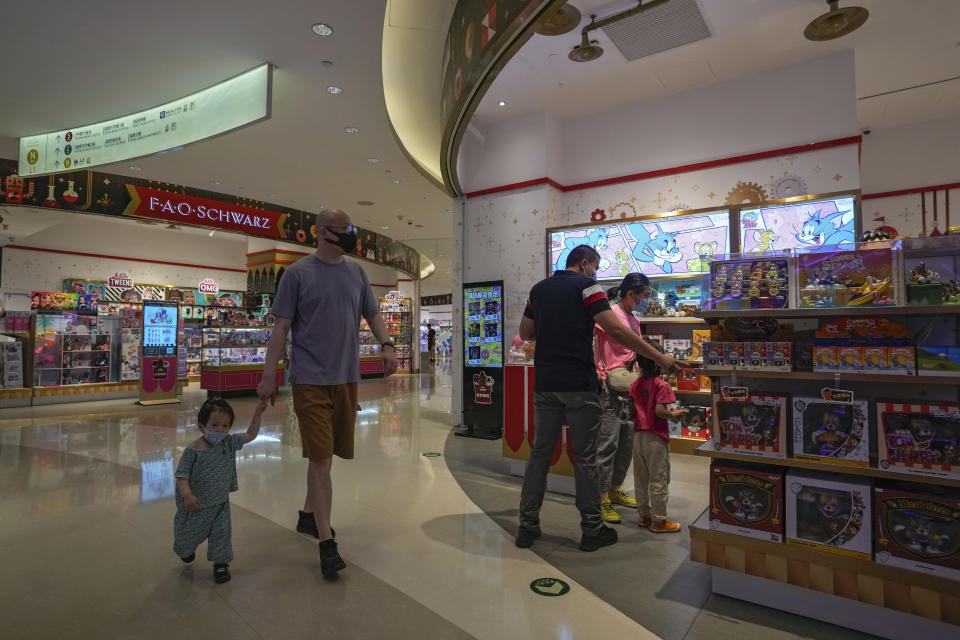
(711, 195)
(515, 221)
(534, 212)
(838, 177)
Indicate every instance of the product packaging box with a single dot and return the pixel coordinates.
(832, 432)
(747, 500)
(825, 358)
(902, 360)
(735, 354)
(780, 355)
(699, 337)
(938, 361)
(850, 358)
(876, 360)
(755, 425)
(714, 355)
(917, 528)
(756, 354)
(830, 512)
(688, 380)
(655, 339)
(919, 438)
(695, 423)
(679, 349)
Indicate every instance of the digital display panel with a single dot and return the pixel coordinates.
(667, 246)
(159, 329)
(799, 225)
(483, 326)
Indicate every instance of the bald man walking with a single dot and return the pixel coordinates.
(321, 298)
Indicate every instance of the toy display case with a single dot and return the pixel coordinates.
(233, 357)
(71, 349)
(191, 349)
(747, 500)
(745, 282)
(931, 268)
(867, 275)
(919, 438)
(830, 513)
(371, 364)
(675, 297)
(130, 340)
(917, 528)
(753, 425)
(832, 432)
(397, 315)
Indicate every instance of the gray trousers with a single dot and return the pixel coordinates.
(551, 410)
(615, 441)
(212, 524)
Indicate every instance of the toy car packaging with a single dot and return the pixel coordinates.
(750, 425)
(747, 500)
(919, 438)
(833, 432)
(829, 513)
(917, 528)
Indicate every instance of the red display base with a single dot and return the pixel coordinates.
(239, 379)
(371, 368)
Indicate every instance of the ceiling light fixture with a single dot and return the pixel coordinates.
(211, 233)
(334, 89)
(351, 130)
(384, 227)
(589, 49)
(502, 103)
(373, 160)
(134, 167)
(397, 181)
(835, 23)
(365, 203)
(426, 197)
(322, 29)
(214, 182)
(326, 63)
(556, 23)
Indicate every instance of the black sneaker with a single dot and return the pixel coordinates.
(605, 537)
(330, 560)
(306, 524)
(221, 572)
(190, 558)
(525, 537)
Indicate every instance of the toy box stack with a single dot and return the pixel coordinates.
(757, 356)
(834, 432)
(917, 528)
(12, 365)
(865, 345)
(747, 500)
(751, 425)
(919, 438)
(829, 512)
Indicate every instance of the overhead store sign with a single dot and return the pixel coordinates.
(209, 286)
(234, 103)
(170, 207)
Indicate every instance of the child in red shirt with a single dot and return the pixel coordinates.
(651, 445)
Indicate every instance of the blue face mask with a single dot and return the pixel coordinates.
(214, 437)
(642, 305)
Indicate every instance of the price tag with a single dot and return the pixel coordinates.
(840, 396)
(735, 393)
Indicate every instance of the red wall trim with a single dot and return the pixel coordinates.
(256, 264)
(698, 166)
(259, 253)
(385, 286)
(98, 255)
(904, 192)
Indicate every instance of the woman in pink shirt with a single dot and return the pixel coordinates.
(615, 440)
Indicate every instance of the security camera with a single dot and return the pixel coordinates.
(410, 222)
(865, 131)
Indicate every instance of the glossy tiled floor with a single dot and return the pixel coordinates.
(86, 513)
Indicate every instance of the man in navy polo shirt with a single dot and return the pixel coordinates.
(560, 316)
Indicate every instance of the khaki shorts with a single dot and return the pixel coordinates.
(327, 416)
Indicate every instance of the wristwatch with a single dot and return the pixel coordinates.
(389, 344)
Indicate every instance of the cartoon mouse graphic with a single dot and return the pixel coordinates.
(657, 246)
(822, 229)
(765, 240)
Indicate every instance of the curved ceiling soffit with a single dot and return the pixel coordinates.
(468, 68)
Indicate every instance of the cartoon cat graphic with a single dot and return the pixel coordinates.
(596, 238)
(658, 246)
(827, 229)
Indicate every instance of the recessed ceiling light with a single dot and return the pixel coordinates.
(273, 195)
(134, 167)
(502, 103)
(397, 181)
(214, 182)
(384, 227)
(351, 130)
(373, 160)
(326, 63)
(211, 233)
(364, 203)
(322, 29)
(334, 89)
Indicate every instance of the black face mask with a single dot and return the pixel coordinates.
(346, 240)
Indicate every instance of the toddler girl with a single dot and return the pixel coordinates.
(205, 477)
(651, 445)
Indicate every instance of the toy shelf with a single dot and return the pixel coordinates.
(780, 571)
(708, 451)
(829, 312)
(846, 376)
(665, 320)
(685, 446)
(693, 393)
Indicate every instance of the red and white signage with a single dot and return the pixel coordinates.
(394, 296)
(120, 281)
(209, 285)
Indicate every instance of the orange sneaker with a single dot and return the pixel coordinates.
(665, 526)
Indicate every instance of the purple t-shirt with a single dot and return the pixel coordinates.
(324, 302)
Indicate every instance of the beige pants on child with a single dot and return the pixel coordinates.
(651, 474)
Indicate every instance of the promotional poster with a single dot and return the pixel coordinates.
(801, 225)
(483, 358)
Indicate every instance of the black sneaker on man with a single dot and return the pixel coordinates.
(330, 560)
(525, 537)
(190, 558)
(605, 537)
(307, 525)
(221, 572)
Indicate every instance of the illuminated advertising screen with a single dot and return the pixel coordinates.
(483, 325)
(666, 246)
(799, 225)
(159, 329)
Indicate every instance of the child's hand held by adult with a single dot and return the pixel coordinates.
(191, 503)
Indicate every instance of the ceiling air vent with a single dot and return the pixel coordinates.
(672, 24)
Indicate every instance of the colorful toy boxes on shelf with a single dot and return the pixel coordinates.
(829, 512)
(695, 423)
(747, 500)
(917, 528)
(750, 425)
(831, 431)
(865, 345)
(919, 438)
(848, 278)
(931, 269)
(749, 284)
(762, 356)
